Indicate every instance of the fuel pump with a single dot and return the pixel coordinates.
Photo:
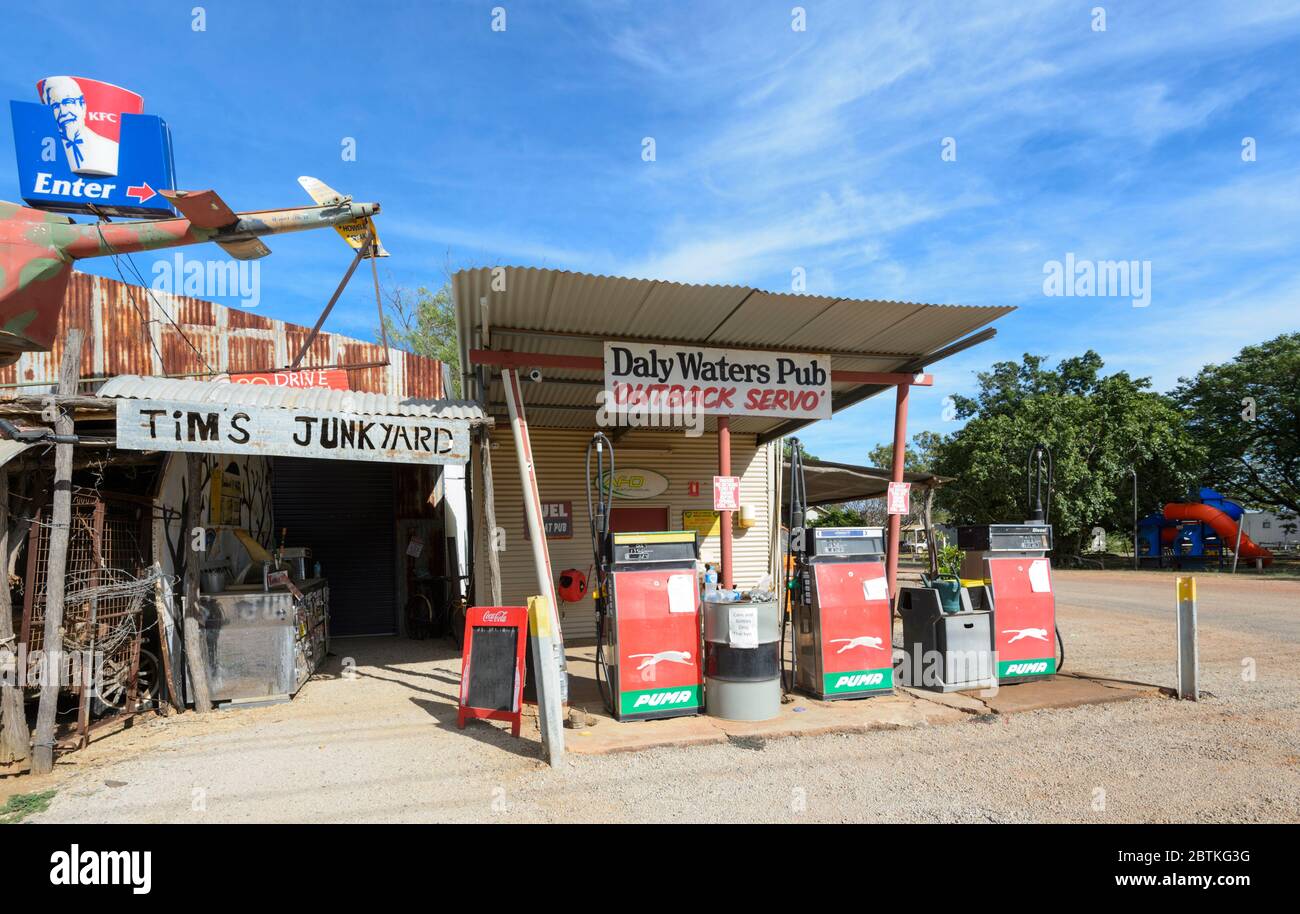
(839, 604)
(647, 609)
(1012, 561)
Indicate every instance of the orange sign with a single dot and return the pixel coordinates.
(332, 378)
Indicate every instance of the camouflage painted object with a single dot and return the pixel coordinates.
(37, 250)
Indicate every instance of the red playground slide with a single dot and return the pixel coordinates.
(1222, 524)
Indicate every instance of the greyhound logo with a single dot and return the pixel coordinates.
(860, 641)
(1039, 633)
(650, 660)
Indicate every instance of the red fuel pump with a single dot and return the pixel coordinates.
(1012, 559)
(839, 604)
(647, 609)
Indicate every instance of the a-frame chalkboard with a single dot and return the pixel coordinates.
(492, 665)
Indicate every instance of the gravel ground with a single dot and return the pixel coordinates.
(383, 746)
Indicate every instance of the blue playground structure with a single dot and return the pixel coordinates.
(1195, 534)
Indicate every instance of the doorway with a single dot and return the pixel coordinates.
(343, 511)
(638, 519)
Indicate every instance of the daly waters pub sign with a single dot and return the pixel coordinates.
(164, 425)
(717, 382)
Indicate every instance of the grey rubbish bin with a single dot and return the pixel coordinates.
(742, 660)
(945, 651)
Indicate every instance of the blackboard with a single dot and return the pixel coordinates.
(495, 651)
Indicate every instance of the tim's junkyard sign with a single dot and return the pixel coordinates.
(719, 382)
(165, 425)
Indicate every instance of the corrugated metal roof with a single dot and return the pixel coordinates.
(563, 313)
(135, 387)
(132, 330)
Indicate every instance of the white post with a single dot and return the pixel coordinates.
(1188, 654)
(1236, 550)
(549, 665)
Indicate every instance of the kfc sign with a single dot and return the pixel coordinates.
(88, 115)
(88, 147)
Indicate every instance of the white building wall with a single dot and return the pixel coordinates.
(1268, 528)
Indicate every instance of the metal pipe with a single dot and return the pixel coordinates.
(724, 517)
(896, 475)
(343, 284)
(1136, 565)
(102, 239)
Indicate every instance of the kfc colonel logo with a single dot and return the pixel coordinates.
(89, 115)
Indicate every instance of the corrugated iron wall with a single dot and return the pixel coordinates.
(127, 333)
(559, 457)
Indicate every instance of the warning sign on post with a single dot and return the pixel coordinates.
(726, 493)
(898, 499)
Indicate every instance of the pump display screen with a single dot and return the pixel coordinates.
(1006, 537)
(645, 548)
(836, 541)
(1018, 541)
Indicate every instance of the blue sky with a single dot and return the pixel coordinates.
(775, 149)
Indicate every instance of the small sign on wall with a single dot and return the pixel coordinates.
(704, 523)
(557, 520)
(899, 498)
(693, 488)
(726, 493)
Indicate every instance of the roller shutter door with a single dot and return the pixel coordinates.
(343, 510)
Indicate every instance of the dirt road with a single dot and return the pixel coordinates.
(383, 745)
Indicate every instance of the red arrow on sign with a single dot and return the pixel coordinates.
(141, 193)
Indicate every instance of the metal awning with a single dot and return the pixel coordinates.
(560, 313)
(831, 483)
(136, 387)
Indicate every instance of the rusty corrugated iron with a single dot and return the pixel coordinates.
(125, 333)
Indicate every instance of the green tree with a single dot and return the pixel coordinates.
(1097, 427)
(837, 516)
(1247, 414)
(424, 323)
(787, 447)
(918, 456)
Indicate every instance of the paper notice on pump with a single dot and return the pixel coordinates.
(681, 593)
(742, 626)
(1039, 579)
(875, 589)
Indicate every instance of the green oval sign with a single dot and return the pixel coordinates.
(636, 483)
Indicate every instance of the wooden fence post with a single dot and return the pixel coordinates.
(490, 520)
(195, 647)
(60, 523)
(15, 738)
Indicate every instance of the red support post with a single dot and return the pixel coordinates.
(896, 474)
(724, 517)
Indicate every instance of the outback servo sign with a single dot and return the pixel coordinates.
(164, 425)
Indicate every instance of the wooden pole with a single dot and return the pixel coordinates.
(195, 649)
(163, 603)
(896, 475)
(60, 522)
(15, 738)
(489, 535)
(546, 635)
(931, 541)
